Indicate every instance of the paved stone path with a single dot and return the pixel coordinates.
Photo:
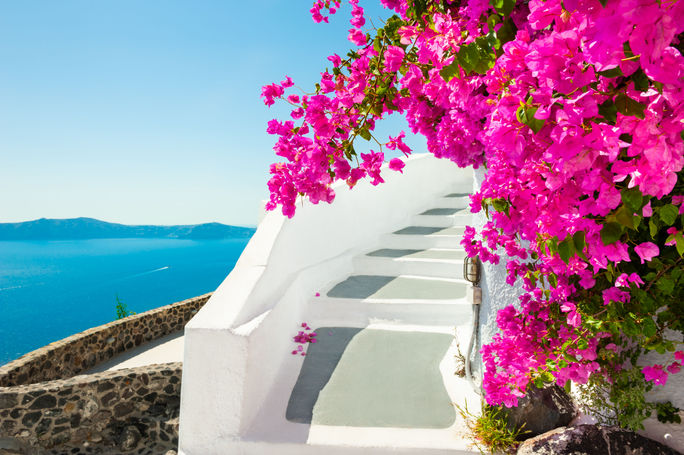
(166, 349)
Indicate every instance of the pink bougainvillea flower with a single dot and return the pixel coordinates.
(318, 294)
(615, 295)
(655, 374)
(646, 251)
(396, 165)
(398, 143)
(672, 231)
(357, 37)
(621, 281)
(647, 210)
(636, 279)
(336, 60)
(394, 56)
(674, 368)
(287, 82)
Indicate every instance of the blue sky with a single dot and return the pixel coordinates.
(148, 111)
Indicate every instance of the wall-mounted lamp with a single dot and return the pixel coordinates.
(471, 269)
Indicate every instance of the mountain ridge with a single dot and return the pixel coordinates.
(84, 228)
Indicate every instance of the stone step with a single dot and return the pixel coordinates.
(443, 217)
(454, 200)
(407, 299)
(442, 263)
(399, 289)
(423, 237)
(457, 195)
(361, 312)
(382, 387)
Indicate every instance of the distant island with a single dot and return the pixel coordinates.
(90, 228)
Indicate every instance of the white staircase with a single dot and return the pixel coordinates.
(381, 378)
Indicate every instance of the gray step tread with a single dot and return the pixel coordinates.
(379, 287)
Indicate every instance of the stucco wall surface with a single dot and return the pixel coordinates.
(496, 293)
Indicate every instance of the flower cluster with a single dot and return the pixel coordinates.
(303, 337)
(575, 109)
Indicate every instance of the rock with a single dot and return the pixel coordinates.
(129, 439)
(44, 401)
(8, 400)
(592, 440)
(541, 410)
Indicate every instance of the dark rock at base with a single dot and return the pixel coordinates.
(592, 440)
(541, 410)
(129, 439)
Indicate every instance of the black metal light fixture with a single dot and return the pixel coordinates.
(471, 269)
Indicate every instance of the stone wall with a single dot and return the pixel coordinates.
(70, 356)
(47, 408)
(114, 412)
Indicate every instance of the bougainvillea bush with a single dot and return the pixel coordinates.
(576, 111)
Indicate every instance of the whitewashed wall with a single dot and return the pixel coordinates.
(496, 293)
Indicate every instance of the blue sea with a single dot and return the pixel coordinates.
(52, 289)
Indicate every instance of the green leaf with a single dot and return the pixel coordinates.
(668, 213)
(534, 123)
(450, 71)
(652, 228)
(629, 327)
(493, 20)
(566, 249)
(626, 137)
(377, 43)
(625, 217)
(506, 33)
(608, 111)
(468, 57)
(521, 115)
(627, 106)
(503, 7)
(610, 233)
(649, 327)
(667, 413)
(680, 243)
(525, 115)
(632, 198)
(578, 240)
(613, 72)
(419, 6)
(500, 205)
(553, 280)
(640, 80)
(665, 284)
(364, 133)
(547, 377)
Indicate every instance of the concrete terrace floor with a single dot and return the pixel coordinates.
(166, 349)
